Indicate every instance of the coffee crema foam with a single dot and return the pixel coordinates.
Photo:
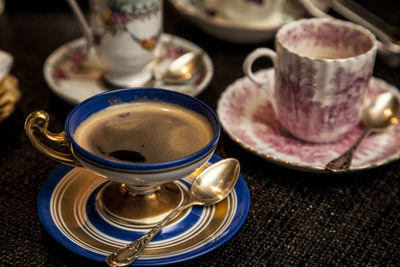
(144, 132)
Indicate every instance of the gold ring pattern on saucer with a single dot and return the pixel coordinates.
(68, 208)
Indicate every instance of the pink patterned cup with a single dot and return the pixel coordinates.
(322, 69)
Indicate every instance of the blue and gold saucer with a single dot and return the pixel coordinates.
(67, 209)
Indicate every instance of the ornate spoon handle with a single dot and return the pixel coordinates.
(132, 251)
(343, 162)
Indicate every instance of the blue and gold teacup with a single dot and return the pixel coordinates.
(142, 188)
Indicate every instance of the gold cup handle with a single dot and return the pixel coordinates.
(36, 125)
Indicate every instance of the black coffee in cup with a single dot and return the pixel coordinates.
(144, 132)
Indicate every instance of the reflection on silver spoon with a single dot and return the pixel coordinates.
(181, 69)
(209, 188)
(383, 112)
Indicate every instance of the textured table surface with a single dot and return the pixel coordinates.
(295, 218)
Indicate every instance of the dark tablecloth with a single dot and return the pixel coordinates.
(295, 218)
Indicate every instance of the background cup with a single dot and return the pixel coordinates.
(322, 69)
(250, 11)
(122, 38)
(125, 36)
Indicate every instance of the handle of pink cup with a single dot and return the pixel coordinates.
(261, 81)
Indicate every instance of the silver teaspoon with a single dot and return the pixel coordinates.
(209, 188)
(181, 69)
(378, 115)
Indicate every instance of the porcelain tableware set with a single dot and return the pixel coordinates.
(125, 47)
(323, 91)
(130, 197)
(302, 113)
(313, 98)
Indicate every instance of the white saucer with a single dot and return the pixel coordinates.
(248, 118)
(208, 19)
(68, 80)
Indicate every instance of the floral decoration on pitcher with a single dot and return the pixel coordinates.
(116, 14)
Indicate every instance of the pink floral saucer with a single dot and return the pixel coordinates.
(72, 82)
(248, 118)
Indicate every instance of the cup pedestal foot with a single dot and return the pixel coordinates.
(123, 205)
(118, 81)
